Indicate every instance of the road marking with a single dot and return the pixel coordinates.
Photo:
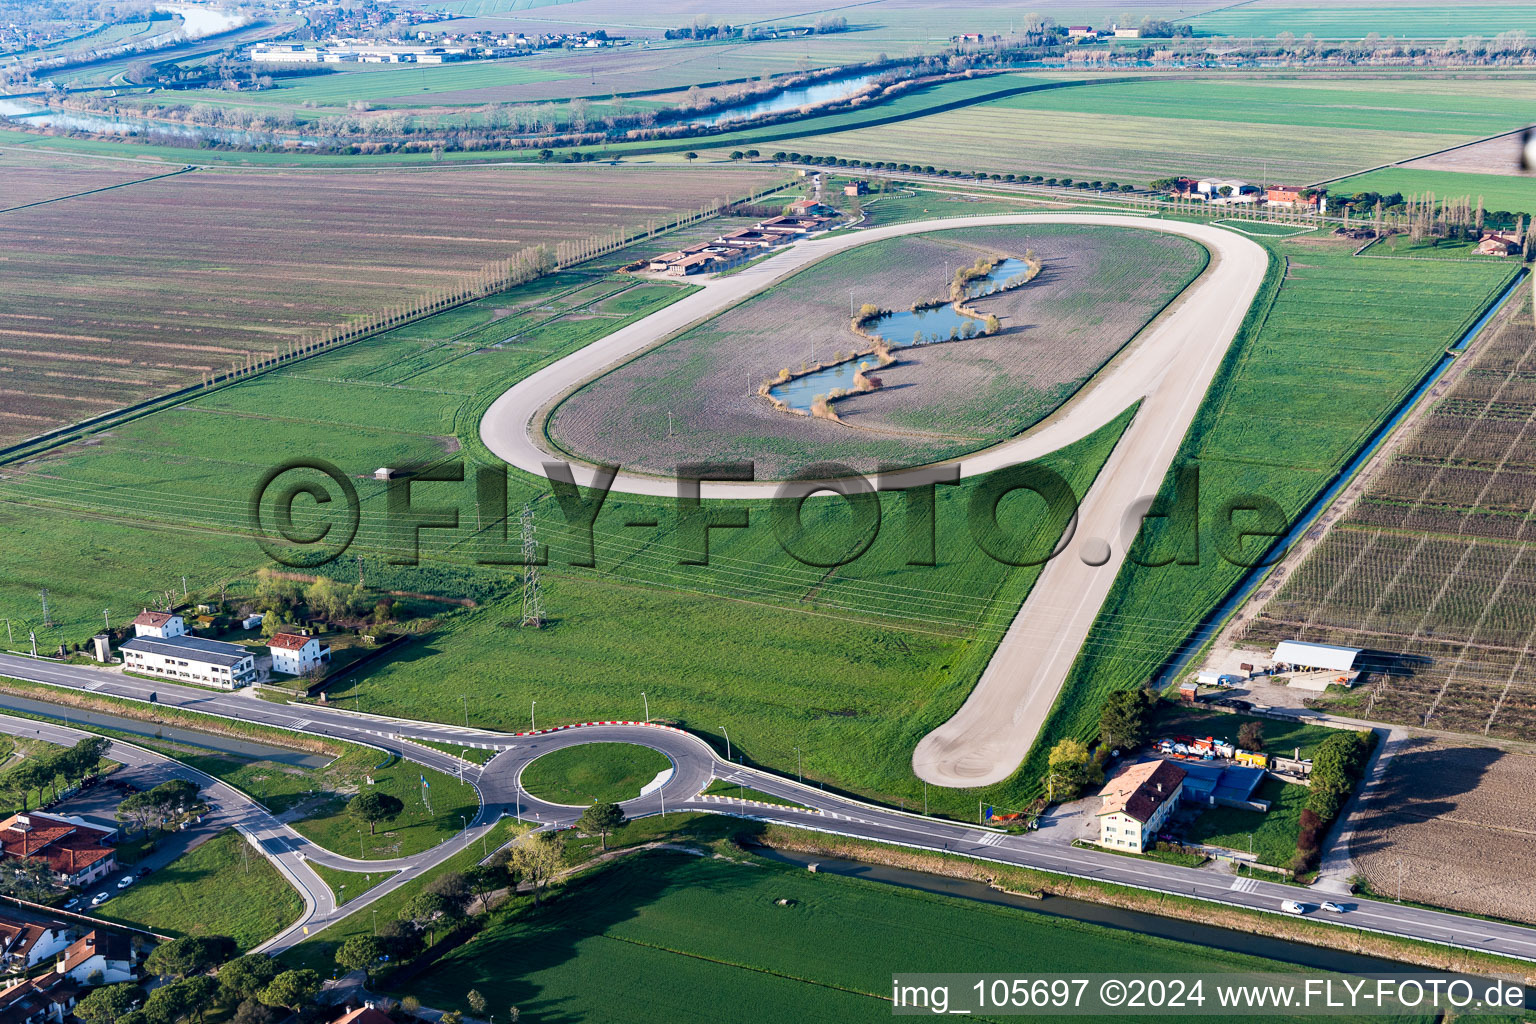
(990, 838)
(302, 723)
(1244, 885)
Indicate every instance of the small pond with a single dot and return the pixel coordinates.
(786, 99)
(901, 329)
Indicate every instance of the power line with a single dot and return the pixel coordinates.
(533, 603)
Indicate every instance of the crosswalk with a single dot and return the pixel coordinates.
(990, 838)
(303, 723)
(1244, 885)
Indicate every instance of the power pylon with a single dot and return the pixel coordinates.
(533, 603)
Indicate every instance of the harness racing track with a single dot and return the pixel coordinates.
(1167, 369)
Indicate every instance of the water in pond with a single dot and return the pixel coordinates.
(787, 99)
(901, 329)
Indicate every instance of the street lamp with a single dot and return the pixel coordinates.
(465, 701)
(727, 742)
(533, 725)
(798, 773)
(647, 706)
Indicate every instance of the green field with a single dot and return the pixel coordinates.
(1498, 191)
(195, 895)
(697, 931)
(318, 952)
(1372, 328)
(593, 773)
(1272, 834)
(322, 798)
(1138, 131)
(347, 886)
(1354, 20)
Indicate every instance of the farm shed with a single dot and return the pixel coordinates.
(1314, 657)
(1225, 785)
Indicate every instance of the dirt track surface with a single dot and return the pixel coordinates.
(1168, 370)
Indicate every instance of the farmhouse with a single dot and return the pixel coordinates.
(809, 208)
(109, 954)
(296, 654)
(75, 853)
(1498, 243)
(1127, 33)
(1293, 196)
(1137, 802)
(191, 658)
(1226, 191)
(159, 624)
(859, 187)
(1082, 32)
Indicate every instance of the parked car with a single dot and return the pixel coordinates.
(100, 898)
(1332, 907)
(1292, 907)
(1242, 705)
(72, 903)
(125, 881)
(143, 872)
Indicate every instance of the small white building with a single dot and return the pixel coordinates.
(296, 654)
(191, 659)
(1137, 802)
(162, 625)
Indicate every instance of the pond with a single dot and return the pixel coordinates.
(122, 124)
(900, 329)
(786, 99)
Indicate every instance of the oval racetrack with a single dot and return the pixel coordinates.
(1167, 368)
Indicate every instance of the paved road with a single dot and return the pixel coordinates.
(1168, 370)
(695, 763)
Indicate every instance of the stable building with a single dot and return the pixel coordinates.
(191, 659)
(1137, 802)
(161, 625)
(297, 654)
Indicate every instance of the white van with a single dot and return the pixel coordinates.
(1292, 907)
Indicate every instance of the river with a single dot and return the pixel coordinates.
(786, 99)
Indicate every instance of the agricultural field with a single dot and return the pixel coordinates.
(689, 400)
(1438, 801)
(1498, 191)
(1354, 19)
(35, 177)
(192, 895)
(688, 929)
(1261, 129)
(1372, 328)
(594, 773)
(1433, 569)
(118, 297)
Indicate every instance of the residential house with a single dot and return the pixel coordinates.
(809, 208)
(99, 957)
(25, 942)
(191, 659)
(859, 187)
(77, 854)
(297, 654)
(1137, 802)
(161, 625)
(365, 1014)
(38, 1000)
(1082, 32)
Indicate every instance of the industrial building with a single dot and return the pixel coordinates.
(191, 659)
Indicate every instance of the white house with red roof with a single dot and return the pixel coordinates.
(297, 654)
(160, 625)
(107, 954)
(1137, 802)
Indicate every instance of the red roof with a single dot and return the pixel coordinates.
(110, 945)
(65, 847)
(156, 619)
(289, 641)
(1141, 789)
(363, 1015)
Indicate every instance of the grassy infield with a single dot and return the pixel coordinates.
(594, 773)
